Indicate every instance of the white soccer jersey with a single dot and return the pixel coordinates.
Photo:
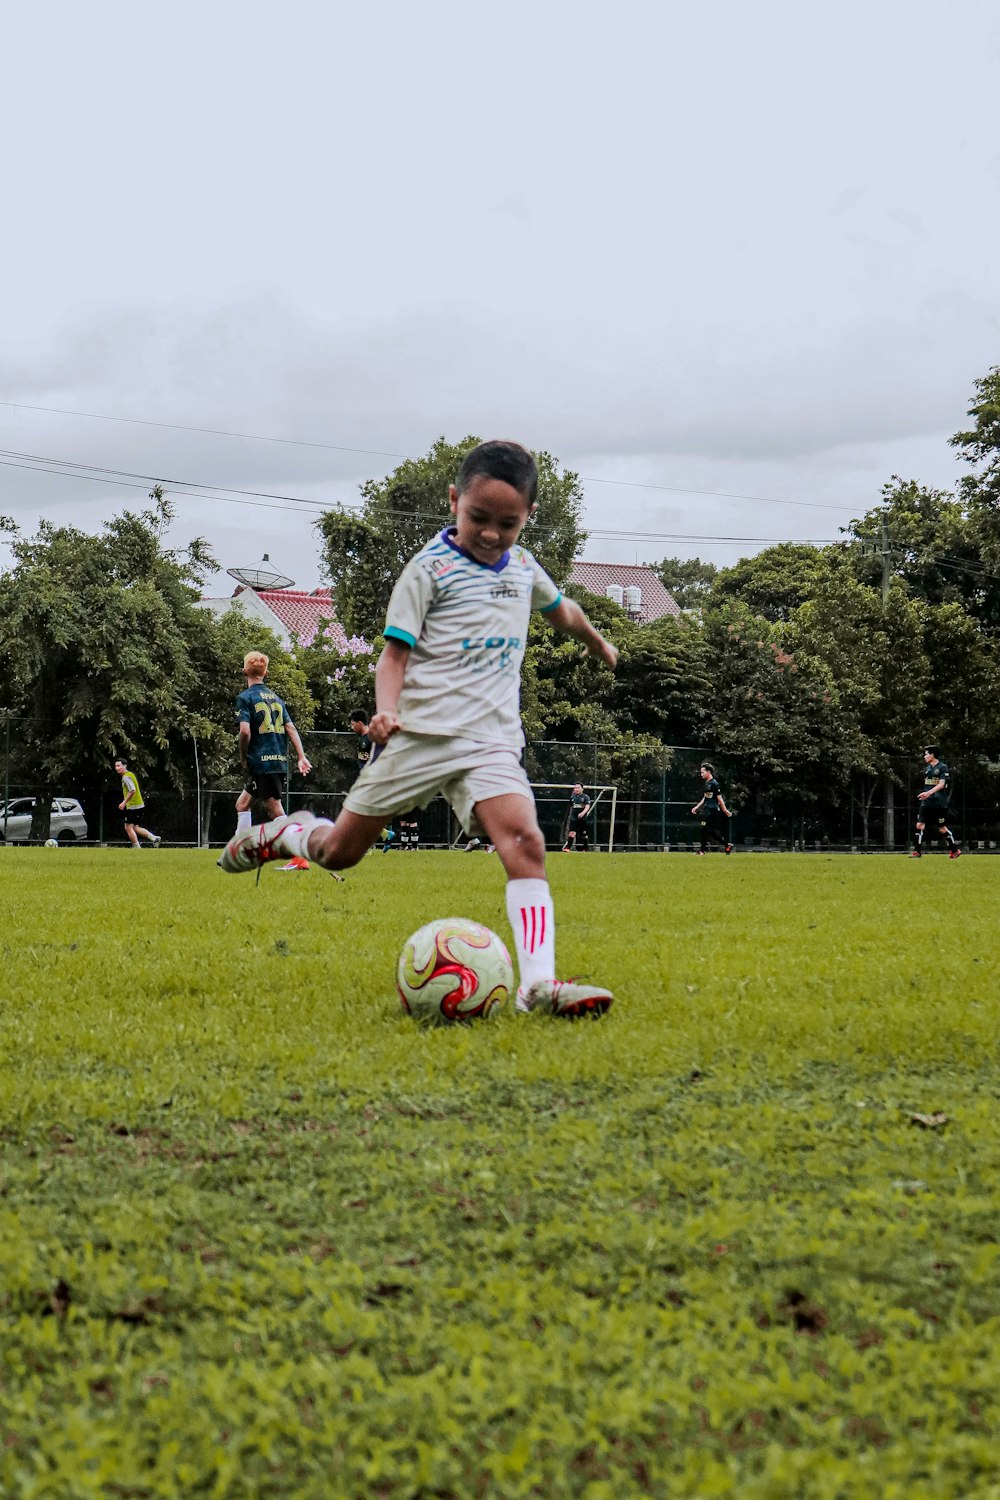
(466, 624)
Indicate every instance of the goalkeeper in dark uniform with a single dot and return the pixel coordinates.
(577, 835)
(933, 802)
(715, 815)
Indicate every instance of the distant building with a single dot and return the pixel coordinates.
(638, 590)
(290, 613)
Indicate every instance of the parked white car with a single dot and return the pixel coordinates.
(68, 822)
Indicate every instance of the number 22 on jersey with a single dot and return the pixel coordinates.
(272, 719)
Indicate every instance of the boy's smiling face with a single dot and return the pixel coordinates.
(489, 517)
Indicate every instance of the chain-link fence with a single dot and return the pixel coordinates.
(640, 802)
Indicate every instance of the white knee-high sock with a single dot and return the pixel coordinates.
(244, 820)
(533, 918)
(296, 836)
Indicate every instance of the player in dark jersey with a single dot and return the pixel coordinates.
(265, 730)
(715, 815)
(577, 834)
(359, 723)
(933, 802)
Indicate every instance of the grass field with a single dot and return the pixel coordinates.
(260, 1236)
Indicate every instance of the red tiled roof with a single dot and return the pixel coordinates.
(301, 613)
(657, 601)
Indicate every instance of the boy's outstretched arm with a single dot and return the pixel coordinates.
(571, 620)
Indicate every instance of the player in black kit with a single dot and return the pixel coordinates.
(934, 801)
(577, 835)
(359, 723)
(715, 814)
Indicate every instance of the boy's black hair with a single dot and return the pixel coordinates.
(706, 765)
(358, 715)
(500, 459)
(934, 750)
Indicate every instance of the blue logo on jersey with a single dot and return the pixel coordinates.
(492, 643)
(492, 653)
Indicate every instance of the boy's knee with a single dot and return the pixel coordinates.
(527, 836)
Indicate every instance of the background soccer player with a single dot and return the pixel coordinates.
(359, 723)
(132, 805)
(934, 801)
(577, 833)
(265, 729)
(713, 810)
(448, 713)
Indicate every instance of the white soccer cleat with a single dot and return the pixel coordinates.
(282, 838)
(565, 997)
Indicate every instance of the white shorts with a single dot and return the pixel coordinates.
(412, 768)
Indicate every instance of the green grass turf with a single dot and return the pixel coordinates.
(260, 1236)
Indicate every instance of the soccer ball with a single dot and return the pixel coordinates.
(52, 843)
(453, 970)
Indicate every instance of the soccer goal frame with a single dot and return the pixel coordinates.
(596, 793)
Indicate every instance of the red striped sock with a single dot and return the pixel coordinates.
(532, 919)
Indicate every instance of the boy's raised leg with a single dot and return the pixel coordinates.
(333, 846)
(281, 838)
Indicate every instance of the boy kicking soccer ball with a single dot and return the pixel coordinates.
(447, 691)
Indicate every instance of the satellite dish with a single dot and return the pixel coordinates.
(263, 576)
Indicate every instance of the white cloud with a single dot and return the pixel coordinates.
(735, 250)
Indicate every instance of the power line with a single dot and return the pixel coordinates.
(64, 468)
(251, 437)
(675, 489)
(132, 485)
(255, 437)
(266, 500)
(96, 470)
(196, 489)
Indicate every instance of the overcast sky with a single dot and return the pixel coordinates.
(683, 247)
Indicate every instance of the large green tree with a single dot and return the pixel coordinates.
(364, 552)
(876, 654)
(875, 651)
(105, 652)
(688, 579)
(572, 715)
(963, 684)
(775, 582)
(774, 708)
(979, 446)
(664, 683)
(94, 641)
(926, 538)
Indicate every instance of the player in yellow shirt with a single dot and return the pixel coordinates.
(133, 806)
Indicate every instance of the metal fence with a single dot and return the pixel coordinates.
(647, 805)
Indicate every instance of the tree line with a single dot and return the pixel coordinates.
(808, 667)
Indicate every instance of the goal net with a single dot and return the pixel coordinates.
(552, 801)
